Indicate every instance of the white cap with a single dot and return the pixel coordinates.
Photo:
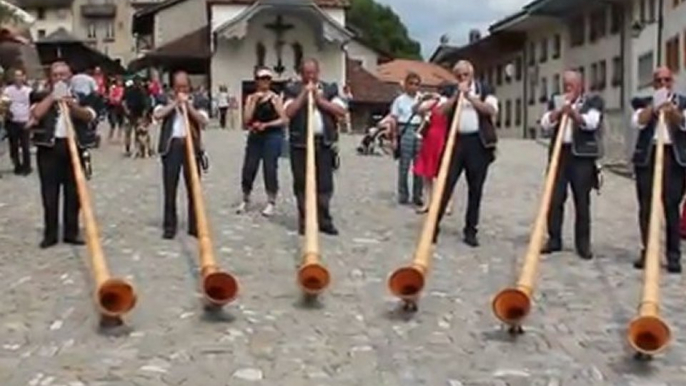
(264, 72)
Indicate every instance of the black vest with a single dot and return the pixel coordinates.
(298, 123)
(167, 127)
(43, 133)
(585, 143)
(644, 144)
(487, 134)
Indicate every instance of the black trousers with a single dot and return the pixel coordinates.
(265, 148)
(172, 163)
(470, 156)
(324, 160)
(672, 195)
(20, 145)
(222, 117)
(55, 173)
(580, 174)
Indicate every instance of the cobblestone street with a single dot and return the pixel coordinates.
(575, 334)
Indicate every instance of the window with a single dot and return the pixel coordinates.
(40, 13)
(557, 46)
(616, 18)
(672, 59)
(684, 48)
(598, 24)
(41, 33)
(532, 90)
(582, 71)
(499, 74)
(617, 71)
(544, 51)
(109, 31)
(499, 123)
(594, 77)
(490, 76)
(577, 31)
(556, 84)
(642, 11)
(92, 31)
(645, 69)
(518, 112)
(532, 53)
(652, 8)
(602, 75)
(518, 68)
(543, 98)
(508, 113)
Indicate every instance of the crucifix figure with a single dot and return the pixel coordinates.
(279, 28)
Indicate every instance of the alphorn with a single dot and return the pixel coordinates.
(512, 305)
(648, 333)
(219, 288)
(313, 277)
(113, 296)
(407, 282)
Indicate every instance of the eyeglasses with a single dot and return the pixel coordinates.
(665, 79)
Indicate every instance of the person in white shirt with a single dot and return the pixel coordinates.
(474, 148)
(53, 156)
(645, 121)
(577, 165)
(17, 131)
(172, 149)
(223, 105)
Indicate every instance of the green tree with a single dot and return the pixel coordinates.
(382, 29)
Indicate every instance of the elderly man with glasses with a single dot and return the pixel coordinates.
(645, 120)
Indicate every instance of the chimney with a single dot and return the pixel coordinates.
(474, 35)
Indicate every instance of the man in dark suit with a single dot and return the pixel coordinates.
(172, 149)
(49, 131)
(645, 120)
(581, 146)
(329, 107)
(474, 147)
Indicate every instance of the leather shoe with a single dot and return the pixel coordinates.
(551, 247)
(193, 233)
(585, 254)
(471, 240)
(673, 267)
(74, 241)
(329, 230)
(641, 261)
(47, 243)
(168, 235)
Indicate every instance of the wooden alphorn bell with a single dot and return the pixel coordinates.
(113, 296)
(407, 282)
(512, 305)
(313, 277)
(219, 288)
(648, 333)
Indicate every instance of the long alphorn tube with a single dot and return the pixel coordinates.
(114, 297)
(219, 287)
(313, 277)
(407, 282)
(648, 334)
(512, 305)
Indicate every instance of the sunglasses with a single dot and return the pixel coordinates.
(264, 78)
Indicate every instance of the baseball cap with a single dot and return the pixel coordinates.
(264, 73)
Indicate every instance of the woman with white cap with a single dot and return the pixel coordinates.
(265, 118)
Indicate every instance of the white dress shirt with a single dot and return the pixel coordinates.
(665, 131)
(19, 107)
(179, 126)
(591, 121)
(469, 116)
(318, 123)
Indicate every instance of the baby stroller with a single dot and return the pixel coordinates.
(376, 136)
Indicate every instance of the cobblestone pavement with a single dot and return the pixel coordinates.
(576, 332)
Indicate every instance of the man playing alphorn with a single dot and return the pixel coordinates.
(474, 146)
(577, 167)
(172, 149)
(53, 157)
(645, 120)
(329, 107)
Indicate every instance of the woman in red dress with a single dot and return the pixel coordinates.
(434, 137)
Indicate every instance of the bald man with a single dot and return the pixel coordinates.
(577, 169)
(645, 118)
(474, 148)
(172, 148)
(53, 156)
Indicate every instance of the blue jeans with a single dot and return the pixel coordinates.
(265, 147)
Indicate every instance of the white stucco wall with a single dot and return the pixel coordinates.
(54, 19)
(179, 20)
(360, 52)
(675, 23)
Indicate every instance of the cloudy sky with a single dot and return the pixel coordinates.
(427, 20)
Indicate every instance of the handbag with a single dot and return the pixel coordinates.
(398, 140)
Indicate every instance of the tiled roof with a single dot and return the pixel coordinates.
(29, 4)
(169, 3)
(194, 45)
(367, 88)
(432, 75)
